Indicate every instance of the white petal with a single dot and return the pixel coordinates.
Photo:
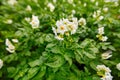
(1, 63)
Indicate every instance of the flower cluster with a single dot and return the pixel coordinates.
(107, 54)
(65, 27)
(82, 22)
(97, 15)
(51, 7)
(116, 2)
(70, 1)
(118, 66)
(9, 21)
(9, 46)
(100, 34)
(1, 63)
(28, 8)
(105, 9)
(35, 22)
(104, 72)
(12, 2)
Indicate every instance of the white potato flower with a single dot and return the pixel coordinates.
(100, 18)
(54, 1)
(51, 7)
(62, 29)
(59, 37)
(107, 54)
(73, 11)
(107, 76)
(105, 9)
(101, 30)
(101, 37)
(107, 1)
(82, 21)
(54, 31)
(1, 63)
(118, 66)
(92, 0)
(85, 4)
(75, 21)
(70, 1)
(10, 50)
(28, 8)
(72, 27)
(97, 3)
(115, 0)
(61, 26)
(64, 21)
(12, 2)
(27, 19)
(116, 4)
(10, 47)
(9, 21)
(103, 68)
(110, 1)
(96, 14)
(104, 72)
(35, 21)
(104, 38)
(9, 44)
(15, 40)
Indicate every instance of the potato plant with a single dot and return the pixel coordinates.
(59, 39)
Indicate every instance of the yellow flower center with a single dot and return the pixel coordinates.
(62, 27)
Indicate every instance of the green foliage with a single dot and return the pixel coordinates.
(40, 56)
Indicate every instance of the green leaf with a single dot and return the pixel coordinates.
(56, 49)
(34, 63)
(56, 61)
(78, 58)
(49, 38)
(94, 50)
(75, 46)
(40, 40)
(50, 45)
(27, 53)
(50, 76)
(89, 55)
(20, 73)
(86, 70)
(88, 78)
(11, 57)
(79, 51)
(40, 74)
(85, 43)
(93, 65)
(112, 48)
(96, 78)
(19, 33)
(0, 74)
(24, 78)
(12, 71)
(32, 72)
(1, 40)
(68, 59)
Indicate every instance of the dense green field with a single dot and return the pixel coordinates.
(59, 39)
